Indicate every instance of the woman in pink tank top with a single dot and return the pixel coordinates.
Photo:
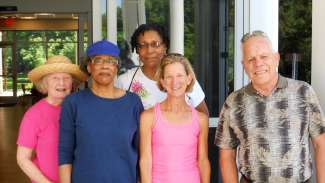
(173, 135)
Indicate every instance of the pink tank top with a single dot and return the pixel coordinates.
(174, 150)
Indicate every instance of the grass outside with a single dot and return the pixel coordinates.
(7, 83)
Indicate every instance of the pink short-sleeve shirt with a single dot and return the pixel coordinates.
(39, 131)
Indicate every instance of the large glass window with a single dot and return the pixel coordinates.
(209, 45)
(32, 49)
(6, 70)
(230, 46)
(103, 11)
(157, 11)
(208, 42)
(295, 23)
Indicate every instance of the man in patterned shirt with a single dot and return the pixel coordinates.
(270, 122)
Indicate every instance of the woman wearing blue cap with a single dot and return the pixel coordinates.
(99, 126)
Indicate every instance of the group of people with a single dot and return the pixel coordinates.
(150, 125)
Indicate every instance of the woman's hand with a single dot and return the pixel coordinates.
(24, 160)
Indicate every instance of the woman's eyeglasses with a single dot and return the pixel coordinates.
(154, 44)
(102, 61)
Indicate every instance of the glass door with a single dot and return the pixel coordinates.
(8, 78)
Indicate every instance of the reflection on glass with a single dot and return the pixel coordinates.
(32, 49)
(30, 36)
(6, 36)
(231, 46)
(103, 10)
(6, 76)
(61, 48)
(61, 36)
(29, 55)
(295, 18)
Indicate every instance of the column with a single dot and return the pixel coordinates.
(112, 21)
(318, 39)
(96, 21)
(176, 26)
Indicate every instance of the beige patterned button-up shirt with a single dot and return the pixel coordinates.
(272, 132)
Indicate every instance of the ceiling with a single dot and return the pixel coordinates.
(39, 16)
(39, 21)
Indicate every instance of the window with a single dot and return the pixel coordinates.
(32, 49)
(295, 18)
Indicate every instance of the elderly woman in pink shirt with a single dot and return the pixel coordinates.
(37, 151)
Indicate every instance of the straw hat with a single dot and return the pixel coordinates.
(57, 64)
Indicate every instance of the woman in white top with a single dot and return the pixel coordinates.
(151, 42)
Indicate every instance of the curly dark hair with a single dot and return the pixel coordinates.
(149, 27)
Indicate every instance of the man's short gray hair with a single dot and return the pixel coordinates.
(256, 33)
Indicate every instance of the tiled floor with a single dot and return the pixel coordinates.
(9, 123)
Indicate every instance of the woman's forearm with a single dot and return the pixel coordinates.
(205, 170)
(145, 171)
(65, 173)
(31, 170)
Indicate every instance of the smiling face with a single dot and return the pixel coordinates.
(260, 62)
(58, 86)
(104, 72)
(175, 79)
(151, 49)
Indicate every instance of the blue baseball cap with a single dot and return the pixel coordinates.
(103, 47)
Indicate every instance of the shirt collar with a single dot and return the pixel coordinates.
(281, 83)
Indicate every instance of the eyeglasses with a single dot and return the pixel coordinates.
(253, 34)
(154, 44)
(102, 61)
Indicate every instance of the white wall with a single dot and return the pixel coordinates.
(318, 41)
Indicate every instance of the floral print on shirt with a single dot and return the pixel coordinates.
(138, 88)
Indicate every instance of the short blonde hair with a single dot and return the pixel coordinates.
(175, 58)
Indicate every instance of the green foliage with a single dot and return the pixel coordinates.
(29, 55)
(31, 51)
(104, 26)
(32, 47)
(119, 20)
(120, 37)
(231, 46)
(157, 11)
(66, 49)
(189, 39)
(295, 23)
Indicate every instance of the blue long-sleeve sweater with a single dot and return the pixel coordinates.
(99, 137)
